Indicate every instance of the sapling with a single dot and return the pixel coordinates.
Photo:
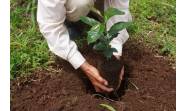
(100, 38)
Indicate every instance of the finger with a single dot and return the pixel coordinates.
(97, 89)
(102, 80)
(99, 78)
(122, 73)
(102, 87)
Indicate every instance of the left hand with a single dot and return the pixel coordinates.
(122, 70)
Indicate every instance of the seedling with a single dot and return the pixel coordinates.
(100, 38)
(98, 33)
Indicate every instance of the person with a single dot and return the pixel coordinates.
(51, 17)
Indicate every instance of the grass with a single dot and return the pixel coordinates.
(29, 50)
(154, 22)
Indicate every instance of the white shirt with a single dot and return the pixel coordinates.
(51, 15)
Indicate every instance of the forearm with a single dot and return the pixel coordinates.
(51, 17)
(123, 35)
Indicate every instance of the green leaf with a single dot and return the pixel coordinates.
(110, 108)
(109, 37)
(100, 46)
(89, 21)
(109, 52)
(95, 33)
(118, 27)
(111, 12)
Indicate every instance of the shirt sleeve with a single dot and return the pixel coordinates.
(51, 15)
(123, 35)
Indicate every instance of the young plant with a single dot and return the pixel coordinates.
(99, 36)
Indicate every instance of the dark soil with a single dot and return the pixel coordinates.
(151, 87)
(110, 70)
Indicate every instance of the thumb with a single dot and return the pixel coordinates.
(101, 80)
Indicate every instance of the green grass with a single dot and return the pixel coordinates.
(154, 22)
(29, 50)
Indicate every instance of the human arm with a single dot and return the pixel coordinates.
(123, 35)
(51, 16)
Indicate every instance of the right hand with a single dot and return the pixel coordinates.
(98, 82)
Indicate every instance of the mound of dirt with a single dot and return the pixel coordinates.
(151, 87)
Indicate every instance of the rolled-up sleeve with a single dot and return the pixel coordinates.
(51, 15)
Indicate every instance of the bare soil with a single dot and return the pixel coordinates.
(151, 86)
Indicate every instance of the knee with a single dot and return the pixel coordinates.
(78, 8)
(84, 3)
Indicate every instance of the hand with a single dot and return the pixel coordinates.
(98, 82)
(122, 71)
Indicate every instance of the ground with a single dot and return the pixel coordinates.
(38, 82)
(151, 87)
